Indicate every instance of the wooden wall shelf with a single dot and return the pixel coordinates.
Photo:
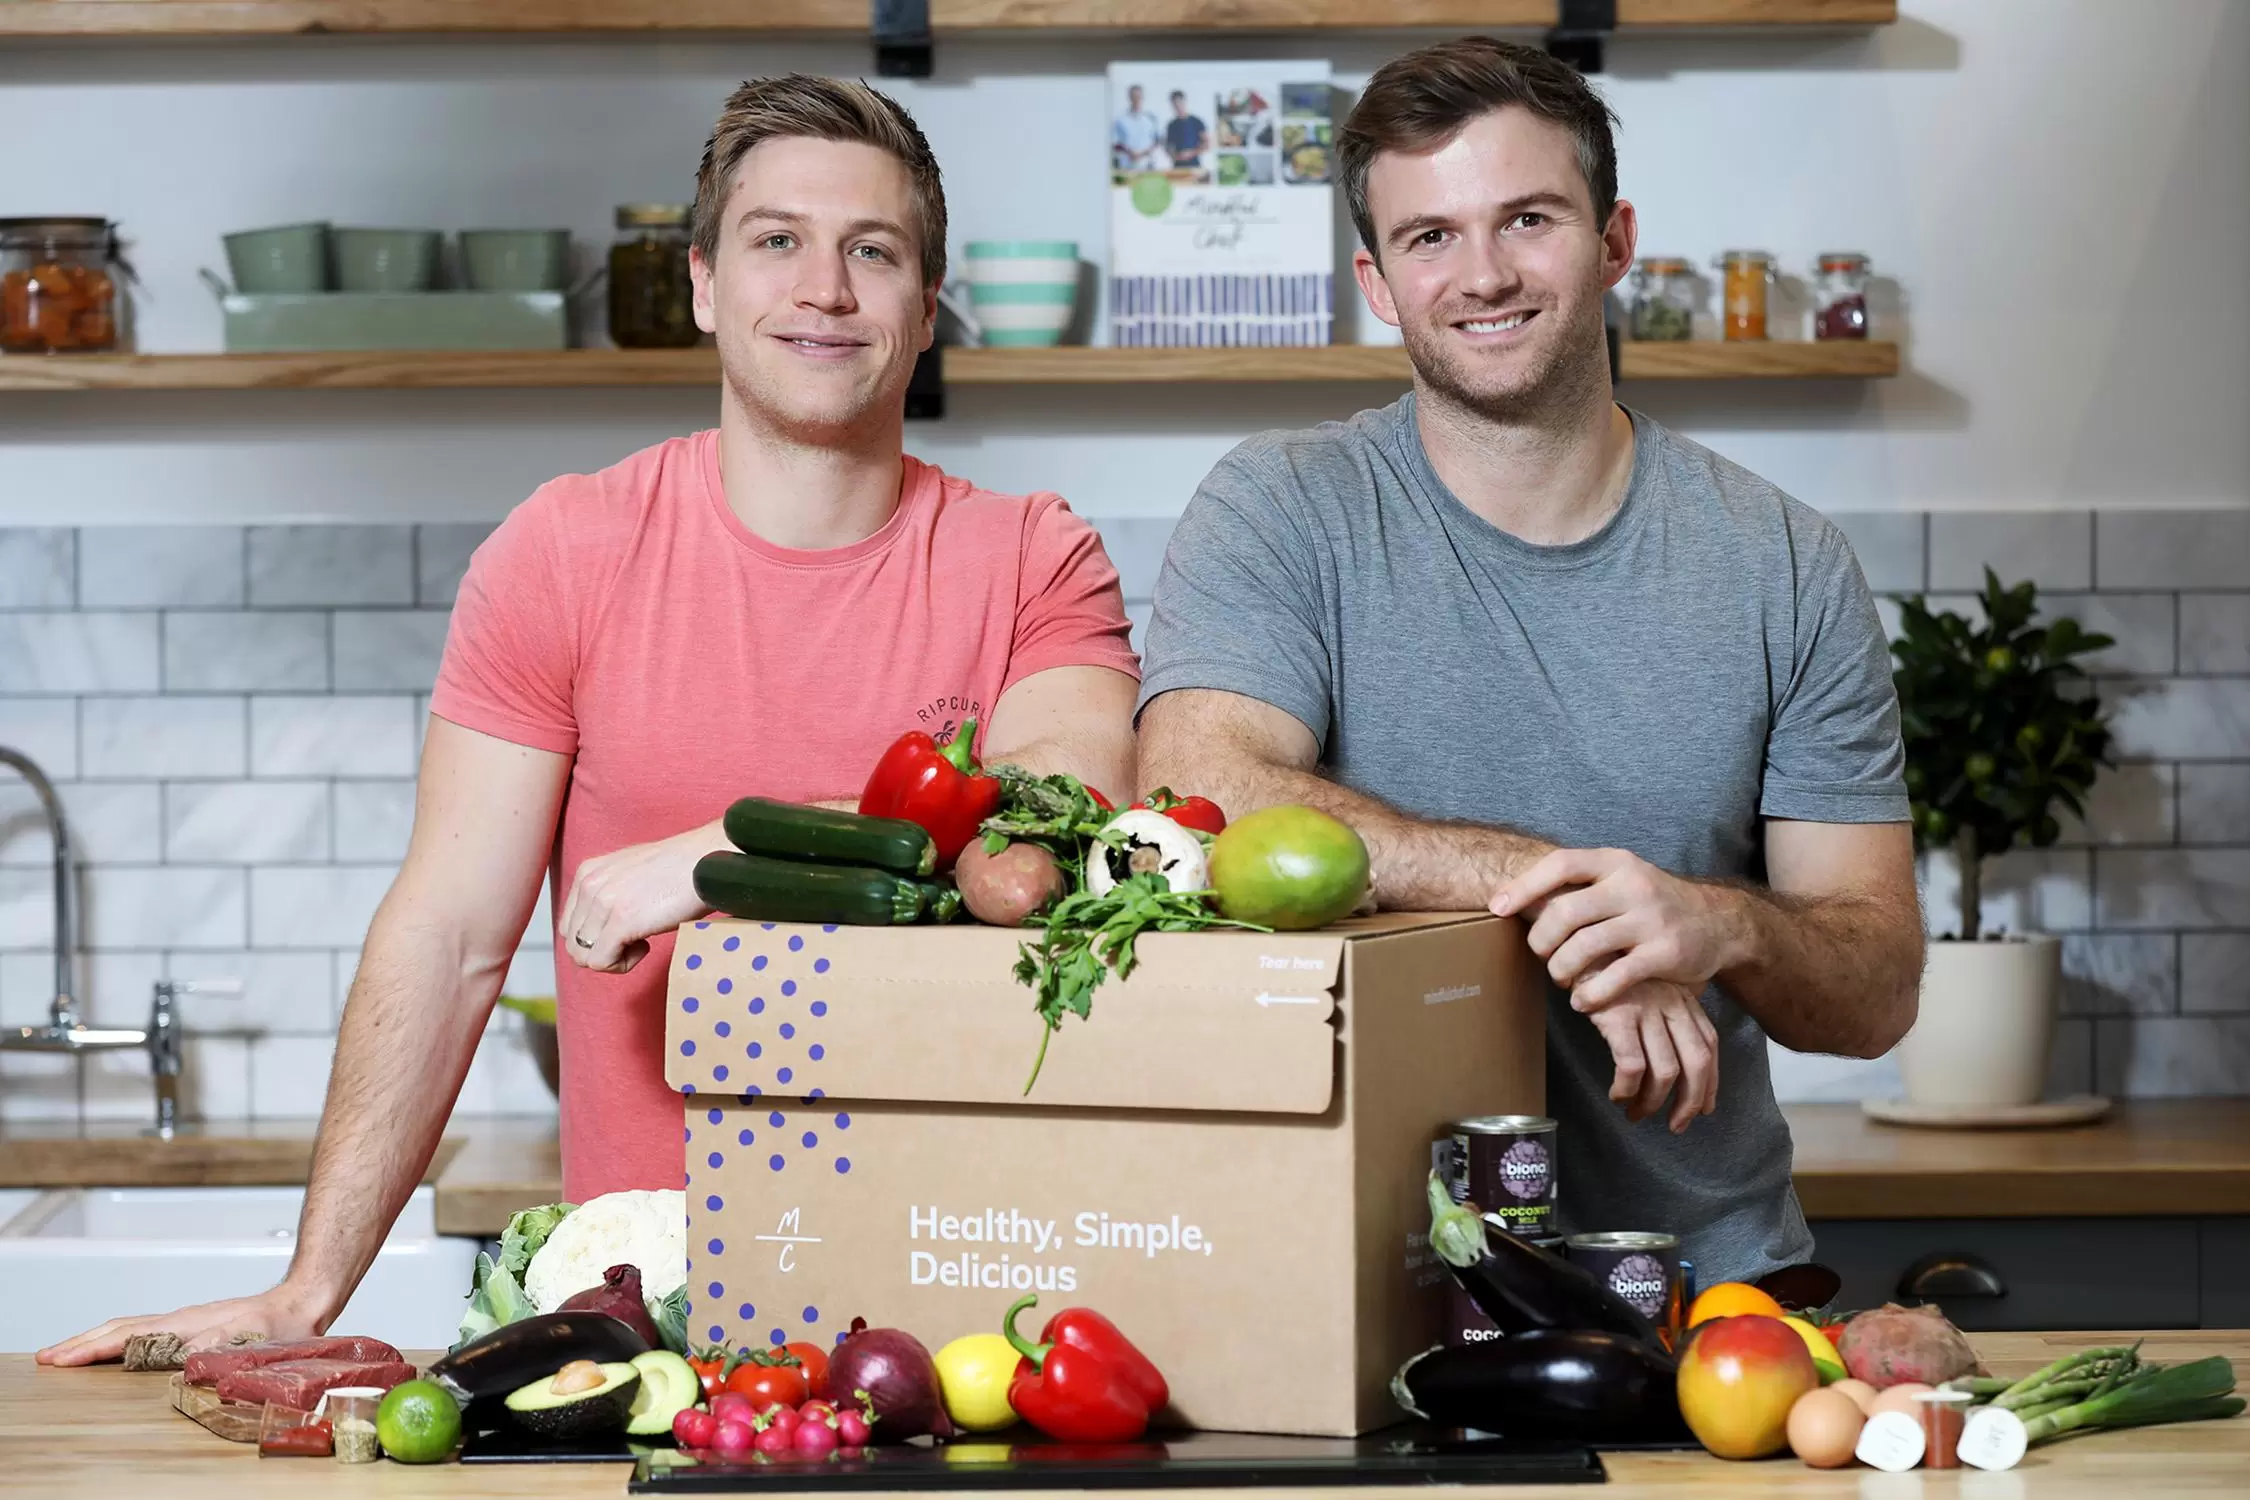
(539, 369)
(163, 18)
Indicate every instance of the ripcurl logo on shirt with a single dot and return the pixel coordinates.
(942, 716)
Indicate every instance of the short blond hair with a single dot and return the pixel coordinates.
(802, 107)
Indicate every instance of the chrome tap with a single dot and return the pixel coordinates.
(64, 1031)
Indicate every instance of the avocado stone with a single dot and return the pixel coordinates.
(668, 1387)
(540, 1408)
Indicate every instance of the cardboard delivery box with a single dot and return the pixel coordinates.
(1228, 1158)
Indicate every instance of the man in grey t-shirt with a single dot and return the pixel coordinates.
(1547, 656)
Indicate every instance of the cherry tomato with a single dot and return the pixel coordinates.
(768, 1385)
(711, 1369)
(814, 1361)
(1100, 801)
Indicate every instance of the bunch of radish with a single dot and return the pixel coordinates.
(737, 1431)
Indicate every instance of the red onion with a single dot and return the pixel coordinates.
(899, 1377)
(619, 1295)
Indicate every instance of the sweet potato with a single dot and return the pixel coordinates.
(1891, 1344)
(1009, 888)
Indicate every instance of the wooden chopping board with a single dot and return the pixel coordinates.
(236, 1421)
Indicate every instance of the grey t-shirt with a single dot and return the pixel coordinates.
(1709, 658)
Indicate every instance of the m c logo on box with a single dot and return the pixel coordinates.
(786, 1235)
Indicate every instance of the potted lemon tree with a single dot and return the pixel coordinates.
(2002, 731)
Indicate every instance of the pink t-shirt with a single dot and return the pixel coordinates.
(630, 620)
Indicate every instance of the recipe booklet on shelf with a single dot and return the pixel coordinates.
(1222, 217)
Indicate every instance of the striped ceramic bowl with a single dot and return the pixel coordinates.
(1023, 291)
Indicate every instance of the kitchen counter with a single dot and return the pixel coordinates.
(102, 1431)
(2150, 1157)
(205, 1153)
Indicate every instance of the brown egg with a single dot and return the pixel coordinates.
(1824, 1428)
(1898, 1398)
(1859, 1390)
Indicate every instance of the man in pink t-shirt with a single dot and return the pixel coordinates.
(756, 610)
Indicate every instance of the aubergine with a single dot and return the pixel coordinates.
(1566, 1385)
(1521, 1287)
(515, 1354)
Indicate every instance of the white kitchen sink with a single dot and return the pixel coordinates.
(75, 1256)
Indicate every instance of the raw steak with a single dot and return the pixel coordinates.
(299, 1383)
(214, 1365)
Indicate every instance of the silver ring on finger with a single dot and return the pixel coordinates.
(581, 941)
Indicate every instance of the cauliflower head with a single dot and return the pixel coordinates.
(635, 1228)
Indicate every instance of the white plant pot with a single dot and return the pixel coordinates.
(1987, 1023)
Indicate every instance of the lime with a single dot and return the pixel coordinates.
(538, 1008)
(1288, 868)
(1152, 193)
(973, 1375)
(418, 1423)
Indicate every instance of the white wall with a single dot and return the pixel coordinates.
(2058, 186)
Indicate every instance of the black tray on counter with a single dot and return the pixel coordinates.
(1407, 1454)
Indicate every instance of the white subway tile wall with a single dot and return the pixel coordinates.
(234, 716)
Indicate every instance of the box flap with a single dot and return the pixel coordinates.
(1226, 1021)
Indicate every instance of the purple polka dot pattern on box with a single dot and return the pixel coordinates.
(811, 1140)
(782, 1075)
(820, 1007)
(724, 1028)
(687, 1049)
(796, 945)
(726, 986)
(717, 1333)
(776, 1161)
(719, 1073)
(759, 962)
(717, 1247)
(714, 1203)
(788, 1032)
(731, 944)
(820, 966)
(816, 1052)
(747, 1137)
(715, 1117)
(689, 1004)
(812, 1315)
(757, 1005)
(789, 987)
(843, 1164)
(746, 1312)
(695, 961)
(843, 1122)
(715, 1158)
(718, 1290)
(756, 1049)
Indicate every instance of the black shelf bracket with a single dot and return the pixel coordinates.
(925, 388)
(903, 44)
(1582, 27)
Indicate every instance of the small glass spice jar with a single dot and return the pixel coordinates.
(59, 286)
(651, 301)
(1840, 297)
(1663, 300)
(1747, 274)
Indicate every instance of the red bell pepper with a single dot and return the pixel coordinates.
(939, 787)
(1199, 813)
(1083, 1382)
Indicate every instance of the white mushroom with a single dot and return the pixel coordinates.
(1151, 842)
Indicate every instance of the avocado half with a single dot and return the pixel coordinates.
(539, 1408)
(668, 1387)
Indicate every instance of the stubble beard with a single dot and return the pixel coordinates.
(1569, 370)
(764, 397)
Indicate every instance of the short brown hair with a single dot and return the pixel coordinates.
(800, 106)
(1422, 100)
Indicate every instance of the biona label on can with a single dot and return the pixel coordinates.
(1505, 1164)
(1465, 1322)
(1641, 1267)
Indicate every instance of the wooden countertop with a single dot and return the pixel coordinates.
(102, 1431)
(2150, 1157)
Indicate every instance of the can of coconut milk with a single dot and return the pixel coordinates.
(1640, 1266)
(1505, 1164)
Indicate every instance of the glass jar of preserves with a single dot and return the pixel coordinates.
(1747, 275)
(1840, 300)
(1663, 300)
(59, 286)
(651, 302)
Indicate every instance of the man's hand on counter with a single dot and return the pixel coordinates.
(278, 1314)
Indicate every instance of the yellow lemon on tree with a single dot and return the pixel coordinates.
(1824, 1356)
(973, 1375)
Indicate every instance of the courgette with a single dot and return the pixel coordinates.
(782, 890)
(789, 830)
